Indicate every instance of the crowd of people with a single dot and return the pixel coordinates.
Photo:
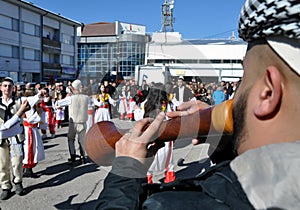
(122, 100)
(53, 105)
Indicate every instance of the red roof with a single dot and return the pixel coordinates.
(99, 29)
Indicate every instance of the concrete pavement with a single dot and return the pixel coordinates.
(61, 186)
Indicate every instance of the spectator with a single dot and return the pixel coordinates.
(182, 93)
(218, 95)
(93, 86)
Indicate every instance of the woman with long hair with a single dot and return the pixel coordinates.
(159, 100)
(101, 102)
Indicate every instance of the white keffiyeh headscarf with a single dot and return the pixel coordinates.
(278, 21)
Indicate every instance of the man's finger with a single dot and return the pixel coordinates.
(140, 127)
(151, 132)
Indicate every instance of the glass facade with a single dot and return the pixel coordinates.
(96, 59)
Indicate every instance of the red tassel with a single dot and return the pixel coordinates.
(149, 179)
(169, 176)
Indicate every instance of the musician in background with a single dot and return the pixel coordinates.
(266, 115)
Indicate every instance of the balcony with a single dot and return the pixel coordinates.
(54, 66)
(51, 69)
(51, 46)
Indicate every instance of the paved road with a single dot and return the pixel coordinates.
(61, 186)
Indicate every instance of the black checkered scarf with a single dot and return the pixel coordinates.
(264, 18)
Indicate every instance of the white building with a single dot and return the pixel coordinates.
(208, 59)
(36, 44)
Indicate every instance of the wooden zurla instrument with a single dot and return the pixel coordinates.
(216, 120)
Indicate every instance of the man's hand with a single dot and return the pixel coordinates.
(24, 108)
(188, 108)
(135, 144)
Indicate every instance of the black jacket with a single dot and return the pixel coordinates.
(217, 188)
(187, 94)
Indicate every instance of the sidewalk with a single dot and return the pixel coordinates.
(61, 186)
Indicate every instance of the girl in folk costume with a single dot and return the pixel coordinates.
(47, 104)
(101, 103)
(33, 144)
(123, 103)
(59, 112)
(131, 102)
(139, 107)
(157, 101)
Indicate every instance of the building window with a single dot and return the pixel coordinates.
(31, 29)
(15, 24)
(37, 31)
(9, 51)
(103, 57)
(67, 39)
(68, 60)
(6, 50)
(9, 23)
(5, 22)
(31, 54)
(15, 52)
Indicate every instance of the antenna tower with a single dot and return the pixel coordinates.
(167, 16)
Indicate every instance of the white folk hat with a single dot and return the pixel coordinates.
(76, 84)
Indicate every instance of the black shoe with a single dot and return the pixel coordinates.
(72, 160)
(19, 189)
(27, 172)
(82, 160)
(5, 194)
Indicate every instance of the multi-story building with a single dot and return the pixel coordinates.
(36, 44)
(111, 49)
(39, 45)
(206, 59)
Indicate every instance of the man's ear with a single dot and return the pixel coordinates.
(270, 93)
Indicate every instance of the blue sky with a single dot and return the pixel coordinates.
(193, 18)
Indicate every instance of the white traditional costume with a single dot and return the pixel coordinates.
(101, 103)
(33, 144)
